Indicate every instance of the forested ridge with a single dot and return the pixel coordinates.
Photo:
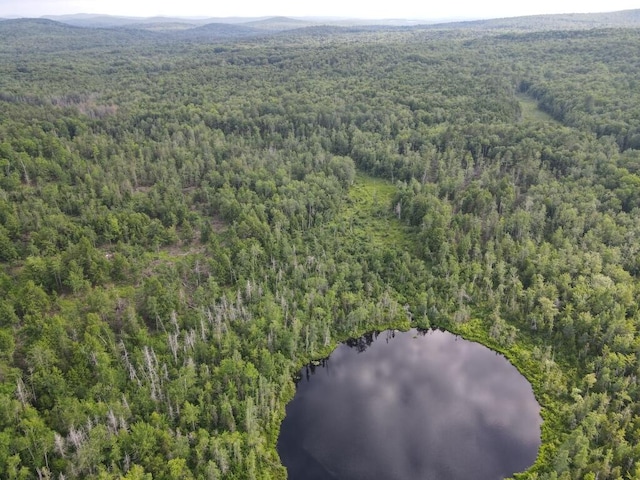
(184, 223)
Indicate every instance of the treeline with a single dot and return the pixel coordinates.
(180, 230)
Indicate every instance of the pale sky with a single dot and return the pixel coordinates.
(409, 9)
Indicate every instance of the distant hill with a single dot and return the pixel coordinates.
(568, 21)
(33, 24)
(112, 21)
(43, 35)
(279, 24)
(165, 23)
(328, 30)
(73, 32)
(25, 28)
(218, 31)
(161, 26)
(625, 18)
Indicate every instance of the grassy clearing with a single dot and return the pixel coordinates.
(531, 112)
(367, 216)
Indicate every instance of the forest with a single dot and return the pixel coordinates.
(185, 221)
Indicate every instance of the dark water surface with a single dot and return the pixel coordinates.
(410, 406)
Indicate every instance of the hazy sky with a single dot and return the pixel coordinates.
(371, 9)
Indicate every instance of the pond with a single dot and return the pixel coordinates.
(416, 405)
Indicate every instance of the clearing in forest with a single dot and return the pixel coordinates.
(531, 112)
(368, 218)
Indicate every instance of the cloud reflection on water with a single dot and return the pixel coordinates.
(412, 407)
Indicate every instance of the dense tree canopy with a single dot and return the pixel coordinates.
(184, 223)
